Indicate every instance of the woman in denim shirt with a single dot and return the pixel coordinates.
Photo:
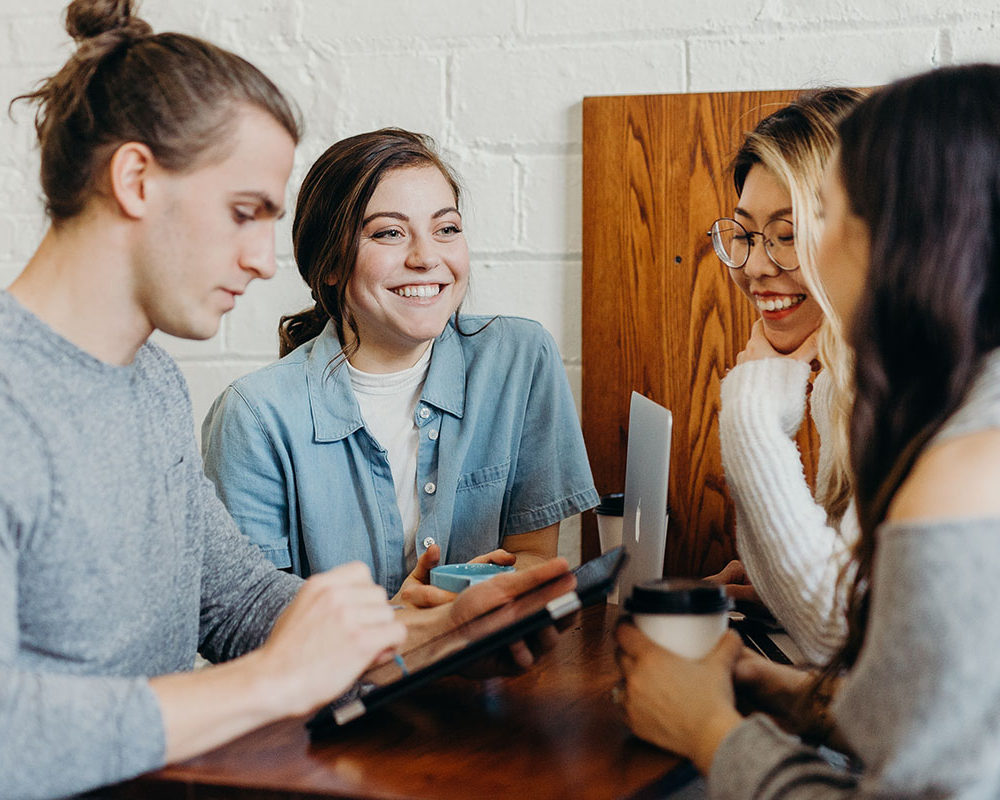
(394, 431)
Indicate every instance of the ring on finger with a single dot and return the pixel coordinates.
(618, 695)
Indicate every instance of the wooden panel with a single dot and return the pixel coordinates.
(660, 314)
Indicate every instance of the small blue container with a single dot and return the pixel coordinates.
(456, 577)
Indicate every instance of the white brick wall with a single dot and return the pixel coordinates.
(499, 84)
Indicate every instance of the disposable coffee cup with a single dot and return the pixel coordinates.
(687, 617)
(609, 521)
(609, 527)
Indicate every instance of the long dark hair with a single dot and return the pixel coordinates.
(172, 92)
(920, 161)
(329, 213)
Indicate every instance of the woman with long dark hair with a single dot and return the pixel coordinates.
(396, 431)
(910, 258)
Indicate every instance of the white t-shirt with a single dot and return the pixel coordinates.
(388, 403)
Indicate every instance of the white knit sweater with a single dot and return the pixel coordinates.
(791, 554)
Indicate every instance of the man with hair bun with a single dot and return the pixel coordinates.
(164, 161)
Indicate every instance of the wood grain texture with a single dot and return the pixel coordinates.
(660, 314)
(549, 734)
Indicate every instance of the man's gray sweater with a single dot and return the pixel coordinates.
(117, 560)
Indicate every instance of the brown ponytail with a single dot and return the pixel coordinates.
(296, 329)
(172, 92)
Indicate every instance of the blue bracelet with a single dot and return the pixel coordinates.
(402, 664)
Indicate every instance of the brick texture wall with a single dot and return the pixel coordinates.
(499, 84)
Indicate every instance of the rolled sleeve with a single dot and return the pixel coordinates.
(552, 479)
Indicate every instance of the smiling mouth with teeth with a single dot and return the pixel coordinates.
(421, 290)
(780, 302)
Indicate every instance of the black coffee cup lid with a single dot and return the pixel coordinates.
(613, 505)
(678, 596)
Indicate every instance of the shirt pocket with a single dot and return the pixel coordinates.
(484, 477)
(479, 509)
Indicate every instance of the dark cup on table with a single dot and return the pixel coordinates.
(609, 527)
(609, 520)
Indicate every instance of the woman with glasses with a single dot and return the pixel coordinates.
(910, 259)
(791, 545)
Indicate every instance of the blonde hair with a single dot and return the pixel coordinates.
(795, 144)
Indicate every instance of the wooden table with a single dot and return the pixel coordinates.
(550, 733)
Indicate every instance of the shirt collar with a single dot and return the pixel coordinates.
(335, 410)
(445, 385)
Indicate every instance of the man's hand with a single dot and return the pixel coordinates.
(337, 625)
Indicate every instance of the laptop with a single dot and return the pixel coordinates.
(644, 527)
(647, 476)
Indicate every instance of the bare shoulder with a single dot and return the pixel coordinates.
(957, 478)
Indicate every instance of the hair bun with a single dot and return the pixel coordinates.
(86, 19)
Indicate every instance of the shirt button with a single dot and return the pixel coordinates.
(432, 435)
(424, 412)
(428, 541)
(429, 487)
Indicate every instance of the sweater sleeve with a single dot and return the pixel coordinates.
(758, 761)
(60, 733)
(920, 706)
(242, 593)
(792, 556)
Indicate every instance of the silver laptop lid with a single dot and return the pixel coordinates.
(647, 476)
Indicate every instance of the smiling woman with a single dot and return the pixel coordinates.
(792, 545)
(911, 209)
(769, 275)
(411, 272)
(395, 430)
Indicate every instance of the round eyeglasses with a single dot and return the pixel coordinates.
(732, 243)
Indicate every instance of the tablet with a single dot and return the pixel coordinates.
(471, 641)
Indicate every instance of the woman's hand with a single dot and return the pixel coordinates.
(417, 590)
(786, 694)
(759, 347)
(683, 705)
(482, 597)
(499, 556)
(734, 578)
(425, 624)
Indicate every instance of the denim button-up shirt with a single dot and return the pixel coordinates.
(500, 453)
